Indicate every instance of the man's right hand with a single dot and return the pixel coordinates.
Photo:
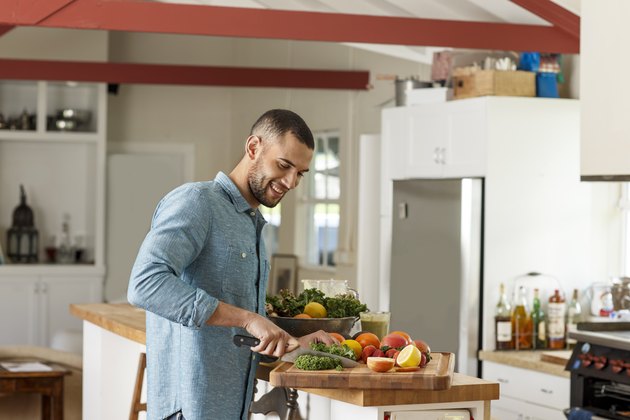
(274, 341)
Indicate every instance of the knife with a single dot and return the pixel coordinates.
(246, 340)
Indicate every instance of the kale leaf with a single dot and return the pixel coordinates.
(337, 349)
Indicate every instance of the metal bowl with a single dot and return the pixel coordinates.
(298, 327)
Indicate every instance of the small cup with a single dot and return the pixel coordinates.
(375, 322)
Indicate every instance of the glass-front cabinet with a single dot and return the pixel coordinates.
(52, 141)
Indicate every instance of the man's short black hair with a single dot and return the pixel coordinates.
(277, 122)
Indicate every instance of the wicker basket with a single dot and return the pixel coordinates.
(494, 82)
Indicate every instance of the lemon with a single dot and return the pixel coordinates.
(409, 356)
(315, 310)
(355, 346)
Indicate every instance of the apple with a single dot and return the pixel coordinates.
(380, 364)
(368, 351)
(394, 341)
(422, 346)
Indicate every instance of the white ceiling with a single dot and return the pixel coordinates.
(465, 10)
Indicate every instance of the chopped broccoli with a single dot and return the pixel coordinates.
(311, 362)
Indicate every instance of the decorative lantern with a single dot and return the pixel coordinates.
(22, 237)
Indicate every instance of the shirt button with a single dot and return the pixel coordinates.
(252, 214)
(243, 255)
(253, 357)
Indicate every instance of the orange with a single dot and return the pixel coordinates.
(404, 334)
(336, 336)
(355, 346)
(368, 338)
(302, 316)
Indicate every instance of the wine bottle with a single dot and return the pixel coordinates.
(556, 321)
(538, 321)
(521, 322)
(574, 315)
(503, 322)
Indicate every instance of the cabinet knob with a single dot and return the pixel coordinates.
(503, 381)
(546, 391)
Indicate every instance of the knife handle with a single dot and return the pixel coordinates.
(245, 340)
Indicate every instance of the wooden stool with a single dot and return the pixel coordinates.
(136, 405)
(47, 383)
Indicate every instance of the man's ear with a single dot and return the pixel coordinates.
(253, 146)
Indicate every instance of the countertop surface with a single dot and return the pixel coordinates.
(530, 359)
(129, 322)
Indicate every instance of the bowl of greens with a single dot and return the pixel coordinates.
(311, 311)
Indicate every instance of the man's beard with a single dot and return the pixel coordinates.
(255, 181)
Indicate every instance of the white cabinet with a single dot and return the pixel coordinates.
(527, 394)
(442, 140)
(604, 105)
(35, 308)
(63, 173)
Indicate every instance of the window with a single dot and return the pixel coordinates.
(321, 201)
(270, 231)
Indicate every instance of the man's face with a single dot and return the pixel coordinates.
(277, 168)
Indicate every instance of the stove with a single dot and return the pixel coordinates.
(600, 373)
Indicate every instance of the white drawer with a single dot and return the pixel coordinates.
(528, 385)
(513, 409)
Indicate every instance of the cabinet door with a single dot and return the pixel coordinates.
(395, 137)
(425, 151)
(19, 310)
(465, 151)
(60, 293)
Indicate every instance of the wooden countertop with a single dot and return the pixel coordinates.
(120, 318)
(529, 359)
(129, 322)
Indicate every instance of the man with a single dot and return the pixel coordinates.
(201, 274)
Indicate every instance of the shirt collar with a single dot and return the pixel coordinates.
(232, 190)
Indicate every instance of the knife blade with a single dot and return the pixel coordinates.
(245, 340)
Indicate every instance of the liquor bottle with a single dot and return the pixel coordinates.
(538, 323)
(555, 321)
(503, 322)
(574, 315)
(521, 322)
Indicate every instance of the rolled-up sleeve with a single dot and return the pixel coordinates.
(179, 228)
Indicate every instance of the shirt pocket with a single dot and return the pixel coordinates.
(241, 272)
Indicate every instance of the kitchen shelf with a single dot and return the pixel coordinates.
(52, 269)
(48, 137)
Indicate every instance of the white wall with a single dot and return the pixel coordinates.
(217, 120)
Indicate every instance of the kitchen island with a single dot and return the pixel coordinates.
(114, 336)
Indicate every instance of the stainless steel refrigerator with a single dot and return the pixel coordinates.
(436, 269)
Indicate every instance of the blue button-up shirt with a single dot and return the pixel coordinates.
(204, 246)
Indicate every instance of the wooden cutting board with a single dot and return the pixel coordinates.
(560, 357)
(436, 375)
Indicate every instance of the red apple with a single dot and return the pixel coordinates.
(380, 364)
(423, 359)
(422, 346)
(394, 341)
(367, 352)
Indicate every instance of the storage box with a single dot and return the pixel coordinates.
(494, 82)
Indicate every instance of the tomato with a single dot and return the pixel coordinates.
(337, 336)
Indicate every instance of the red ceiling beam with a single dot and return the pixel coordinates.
(31, 12)
(182, 75)
(144, 16)
(5, 28)
(553, 13)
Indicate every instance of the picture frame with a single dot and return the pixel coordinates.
(283, 273)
